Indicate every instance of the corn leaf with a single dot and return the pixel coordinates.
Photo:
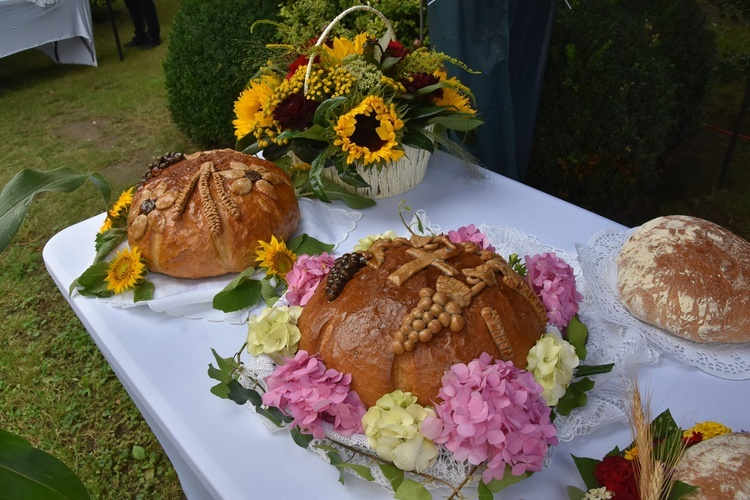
(16, 196)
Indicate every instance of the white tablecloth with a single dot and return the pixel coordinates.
(221, 451)
(60, 28)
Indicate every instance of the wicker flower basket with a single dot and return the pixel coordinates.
(397, 177)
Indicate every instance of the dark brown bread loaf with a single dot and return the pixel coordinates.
(688, 276)
(456, 302)
(204, 215)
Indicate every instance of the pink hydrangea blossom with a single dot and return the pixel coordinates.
(306, 274)
(311, 394)
(471, 233)
(553, 280)
(493, 413)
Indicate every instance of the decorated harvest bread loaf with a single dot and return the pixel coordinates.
(203, 214)
(400, 314)
(688, 276)
(719, 467)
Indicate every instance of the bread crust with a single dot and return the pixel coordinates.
(354, 333)
(719, 467)
(688, 276)
(204, 215)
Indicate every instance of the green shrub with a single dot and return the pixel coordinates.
(212, 55)
(306, 19)
(624, 81)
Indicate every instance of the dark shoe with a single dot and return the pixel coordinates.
(136, 41)
(150, 43)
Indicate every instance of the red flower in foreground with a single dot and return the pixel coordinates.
(618, 475)
(395, 49)
(417, 81)
(300, 61)
(295, 112)
(695, 438)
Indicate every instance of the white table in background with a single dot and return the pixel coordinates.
(61, 29)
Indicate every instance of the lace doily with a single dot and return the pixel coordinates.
(599, 263)
(608, 343)
(42, 3)
(193, 298)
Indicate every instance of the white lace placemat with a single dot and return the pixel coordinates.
(598, 260)
(192, 298)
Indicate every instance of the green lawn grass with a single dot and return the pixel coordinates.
(55, 387)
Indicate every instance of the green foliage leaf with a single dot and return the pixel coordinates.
(108, 241)
(680, 489)
(418, 139)
(335, 458)
(498, 484)
(302, 440)
(460, 122)
(143, 291)
(586, 468)
(322, 114)
(16, 196)
(138, 452)
(588, 370)
(306, 244)
(223, 372)
(353, 200)
(316, 178)
(92, 280)
(241, 395)
(270, 292)
(577, 334)
(240, 293)
(247, 144)
(412, 490)
(393, 474)
(576, 493)
(27, 472)
(664, 425)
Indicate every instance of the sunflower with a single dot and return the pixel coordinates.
(275, 257)
(125, 270)
(106, 226)
(250, 107)
(122, 204)
(452, 98)
(343, 47)
(368, 132)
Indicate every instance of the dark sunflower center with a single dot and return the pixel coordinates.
(365, 135)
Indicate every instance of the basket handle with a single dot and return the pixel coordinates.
(335, 21)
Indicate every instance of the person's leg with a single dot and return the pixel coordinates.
(139, 23)
(153, 29)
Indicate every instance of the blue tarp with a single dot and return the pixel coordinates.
(507, 41)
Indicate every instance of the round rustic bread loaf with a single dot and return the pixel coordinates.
(402, 313)
(690, 277)
(203, 214)
(719, 467)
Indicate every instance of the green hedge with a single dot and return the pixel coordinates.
(212, 55)
(306, 19)
(625, 81)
